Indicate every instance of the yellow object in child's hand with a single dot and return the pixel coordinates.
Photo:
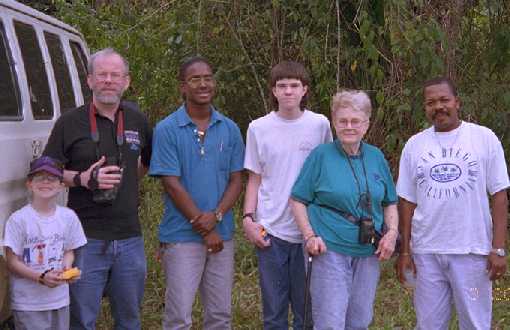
(71, 273)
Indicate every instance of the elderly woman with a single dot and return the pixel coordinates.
(344, 192)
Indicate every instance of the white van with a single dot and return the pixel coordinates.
(42, 73)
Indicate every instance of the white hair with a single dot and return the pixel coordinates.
(354, 99)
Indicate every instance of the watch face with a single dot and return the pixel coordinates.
(219, 216)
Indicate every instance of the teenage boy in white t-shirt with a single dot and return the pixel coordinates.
(40, 239)
(452, 239)
(276, 148)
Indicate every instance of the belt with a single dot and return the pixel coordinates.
(349, 217)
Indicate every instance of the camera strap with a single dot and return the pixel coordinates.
(358, 184)
(94, 133)
(346, 215)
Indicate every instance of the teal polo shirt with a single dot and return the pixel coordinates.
(327, 179)
(204, 170)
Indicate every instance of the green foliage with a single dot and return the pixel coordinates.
(385, 47)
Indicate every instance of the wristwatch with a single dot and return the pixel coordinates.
(499, 252)
(218, 215)
(77, 179)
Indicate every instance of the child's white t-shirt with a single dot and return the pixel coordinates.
(41, 242)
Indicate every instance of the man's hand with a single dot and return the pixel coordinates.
(53, 278)
(204, 223)
(496, 266)
(213, 242)
(387, 245)
(404, 262)
(315, 246)
(107, 176)
(255, 233)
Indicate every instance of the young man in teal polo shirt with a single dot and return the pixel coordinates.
(198, 154)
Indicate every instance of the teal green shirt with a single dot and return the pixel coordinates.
(327, 179)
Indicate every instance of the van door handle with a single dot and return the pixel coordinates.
(37, 148)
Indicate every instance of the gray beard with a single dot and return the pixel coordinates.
(107, 99)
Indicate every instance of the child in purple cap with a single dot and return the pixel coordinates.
(40, 239)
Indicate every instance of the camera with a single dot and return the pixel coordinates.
(367, 232)
(106, 196)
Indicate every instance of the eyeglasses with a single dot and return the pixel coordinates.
(114, 76)
(355, 123)
(195, 82)
(45, 177)
(282, 86)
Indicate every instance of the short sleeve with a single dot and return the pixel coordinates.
(55, 148)
(406, 187)
(328, 136)
(14, 235)
(304, 187)
(236, 161)
(497, 174)
(251, 158)
(75, 236)
(164, 159)
(390, 195)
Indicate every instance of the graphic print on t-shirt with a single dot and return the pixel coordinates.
(447, 173)
(41, 252)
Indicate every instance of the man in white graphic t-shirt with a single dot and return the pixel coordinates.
(453, 234)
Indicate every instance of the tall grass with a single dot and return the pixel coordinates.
(393, 306)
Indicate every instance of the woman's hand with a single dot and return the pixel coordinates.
(315, 245)
(387, 245)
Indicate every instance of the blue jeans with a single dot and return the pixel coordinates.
(282, 280)
(116, 269)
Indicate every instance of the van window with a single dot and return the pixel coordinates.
(81, 66)
(38, 87)
(61, 69)
(9, 93)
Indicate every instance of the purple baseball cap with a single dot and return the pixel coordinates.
(46, 164)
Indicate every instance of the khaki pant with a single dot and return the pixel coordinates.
(4, 291)
(190, 268)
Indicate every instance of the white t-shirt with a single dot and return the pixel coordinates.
(448, 175)
(276, 149)
(41, 243)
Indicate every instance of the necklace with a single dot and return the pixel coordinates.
(443, 148)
